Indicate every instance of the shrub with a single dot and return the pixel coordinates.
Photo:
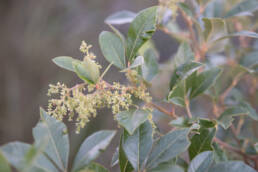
(211, 95)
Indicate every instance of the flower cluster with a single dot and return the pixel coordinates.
(84, 101)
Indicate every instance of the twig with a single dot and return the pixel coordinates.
(233, 149)
(161, 109)
(233, 84)
(187, 105)
(199, 53)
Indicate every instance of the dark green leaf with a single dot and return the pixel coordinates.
(58, 146)
(140, 30)
(91, 148)
(65, 62)
(201, 142)
(120, 17)
(231, 166)
(112, 48)
(183, 71)
(94, 167)
(132, 119)
(168, 147)
(138, 146)
(125, 165)
(201, 162)
(4, 165)
(198, 84)
(207, 123)
(243, 8)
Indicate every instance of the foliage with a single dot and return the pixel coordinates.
(214, 71)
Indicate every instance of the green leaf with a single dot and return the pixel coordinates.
(65, 62)
(215, 28)
(150, 67)
(201, 142)
(132, 119)
(167, 167)
(177, 94)
(15, 152)
(243, 8)
(141, 30)
(219, 154)
(207, 123)
(245, 33)
(4, 165)
(198, 84)
(244, 108)
(94, 167)
(184, 54)
(57, 149)
(91, 147)
(201, 162)
(120, 17)
(125, 165)
(231, 166)
(183, 71)
(112, 48)
(181, 122)
(27, 158)
(203, 2)
(168, 146)
(138, 146)
(87, 71)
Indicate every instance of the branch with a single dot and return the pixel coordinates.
(233, 84)
(233, 149)
(187, 106)
(161, 109)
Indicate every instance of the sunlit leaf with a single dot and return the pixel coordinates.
(65, 62)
